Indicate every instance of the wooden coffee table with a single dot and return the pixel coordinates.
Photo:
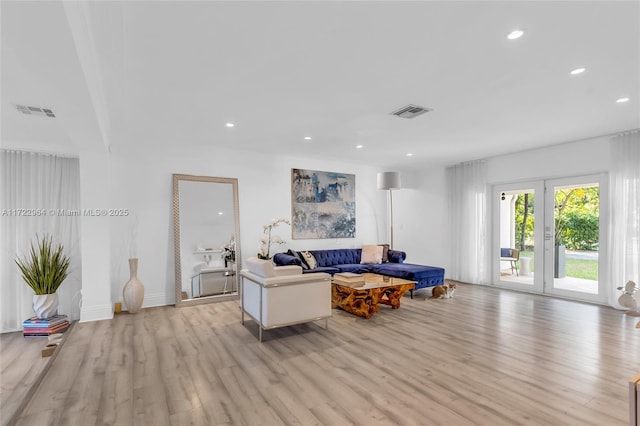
(364, 301)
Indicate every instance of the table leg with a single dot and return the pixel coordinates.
(394, 294)
(363, 303)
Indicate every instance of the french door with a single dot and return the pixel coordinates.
(550, 236)
(518, 225)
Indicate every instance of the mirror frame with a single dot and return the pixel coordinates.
(177, 178)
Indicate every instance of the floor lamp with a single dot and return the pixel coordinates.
(389, 181)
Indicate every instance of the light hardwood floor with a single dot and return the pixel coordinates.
(487, 356)
(21, 368)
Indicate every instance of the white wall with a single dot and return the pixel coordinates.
(570, 159)
(421, 214)
(141, 182)
(95, 237)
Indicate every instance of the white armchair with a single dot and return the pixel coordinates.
(279, 296)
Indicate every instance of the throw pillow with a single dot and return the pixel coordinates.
(371, 254)
(297, 256)
(308, 257)
(385, 252)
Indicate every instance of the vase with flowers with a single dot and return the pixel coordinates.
(229, 251)
(267, 239)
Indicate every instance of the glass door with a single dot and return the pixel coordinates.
(575, 227)
(518, 238)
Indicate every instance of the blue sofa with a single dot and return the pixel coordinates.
(348, 260)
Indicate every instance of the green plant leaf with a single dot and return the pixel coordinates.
(46, 268)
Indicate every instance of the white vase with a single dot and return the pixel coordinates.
(133, 292)
(45, 305)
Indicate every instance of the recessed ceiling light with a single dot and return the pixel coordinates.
(230, 125)
(409, 154)
(622, 100)
(578, 71)
(359, 146)
(220, 213)
(307, 138)
(515, 34)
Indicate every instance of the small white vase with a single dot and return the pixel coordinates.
(45, 305)
(133, 292)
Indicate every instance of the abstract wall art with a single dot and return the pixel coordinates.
(323, 204)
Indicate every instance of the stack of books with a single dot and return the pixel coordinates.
(348, 279)
(35, 326)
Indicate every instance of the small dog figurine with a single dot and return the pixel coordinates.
(444, 291)
(630, 299)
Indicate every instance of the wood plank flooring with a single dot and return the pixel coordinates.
(21, 364)
(487, 356)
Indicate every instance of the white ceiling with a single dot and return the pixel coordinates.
(148, 73)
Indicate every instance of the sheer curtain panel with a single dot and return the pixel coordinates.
(469, 222)
(40, 195)
(625, 213)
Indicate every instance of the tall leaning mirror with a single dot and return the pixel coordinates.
(207, 238)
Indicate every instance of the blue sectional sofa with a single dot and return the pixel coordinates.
(348, 260)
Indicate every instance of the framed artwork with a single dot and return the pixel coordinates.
(323, 205)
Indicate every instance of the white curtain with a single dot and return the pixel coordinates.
(625, 213)
(40, 195)
(469, 222)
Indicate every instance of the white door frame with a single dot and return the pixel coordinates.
(549, 228)
(538, 277)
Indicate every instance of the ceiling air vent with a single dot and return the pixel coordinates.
(32, 110)
(410, 111)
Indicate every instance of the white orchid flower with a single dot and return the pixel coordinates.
(267, 240)
(277, 240)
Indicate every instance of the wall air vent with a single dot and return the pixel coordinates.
(33, 110)
(410, 111)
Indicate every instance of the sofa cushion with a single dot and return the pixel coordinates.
(297, 256)
(309, 259)
(336, 256)
(408, 271)
(287, 259)
(265, 268)
(328, 269)
(356, 268)
(397, 256)
(371, 254)
(385, 252)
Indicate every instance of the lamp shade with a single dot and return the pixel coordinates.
(389, 180)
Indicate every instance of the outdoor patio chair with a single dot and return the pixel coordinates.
(512, 256)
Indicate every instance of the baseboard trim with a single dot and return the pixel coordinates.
(96, 313)
(151, 300)
(157, 299)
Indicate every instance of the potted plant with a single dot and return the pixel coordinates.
(44, 270)
(559, 249)
(267, 240)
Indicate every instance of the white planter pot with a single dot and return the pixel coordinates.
(45, 305)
